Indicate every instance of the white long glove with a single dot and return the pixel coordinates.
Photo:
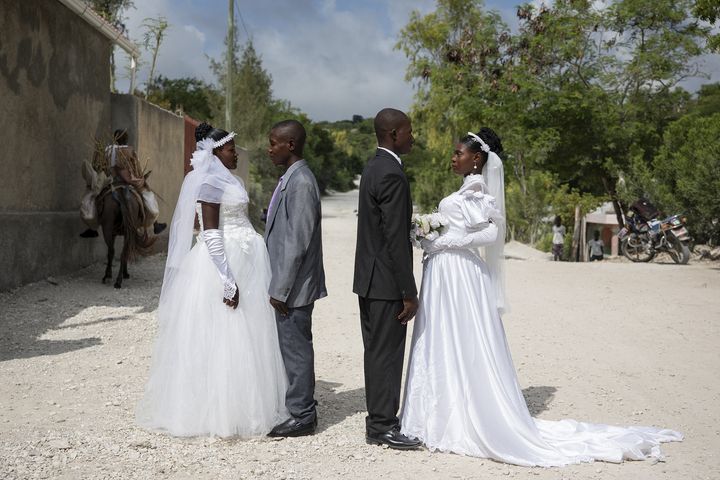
(479, 238)
(216, 247)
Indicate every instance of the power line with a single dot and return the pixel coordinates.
(242, 20)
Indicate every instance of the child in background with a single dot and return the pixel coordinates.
(596, 247)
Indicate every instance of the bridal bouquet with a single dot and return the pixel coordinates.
(426, 226)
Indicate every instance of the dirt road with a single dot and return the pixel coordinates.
(608, 342)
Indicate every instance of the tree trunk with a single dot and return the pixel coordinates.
(152, 68)
(612, 192)
(618, 212)
(583, 241)
(112, 70)
(575, 251)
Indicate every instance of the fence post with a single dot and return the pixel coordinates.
(575, 252)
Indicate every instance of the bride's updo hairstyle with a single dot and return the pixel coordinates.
(205, 130)
(202, 131)
(488, 136)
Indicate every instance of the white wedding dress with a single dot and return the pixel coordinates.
(462, 393)
(217, 371)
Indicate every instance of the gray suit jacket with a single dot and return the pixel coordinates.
(293, 236)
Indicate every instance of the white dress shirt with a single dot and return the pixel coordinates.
(392, 153)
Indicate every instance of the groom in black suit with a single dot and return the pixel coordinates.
(384, 280)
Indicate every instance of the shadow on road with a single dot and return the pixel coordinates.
(32, 311)
(45, 347)
(335, 406)
(538, 398)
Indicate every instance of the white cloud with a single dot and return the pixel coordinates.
(338, 65)
(184, 50)
(330, 63)
(191, 29)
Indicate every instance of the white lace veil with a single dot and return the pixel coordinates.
(209, 181)
(494, 175)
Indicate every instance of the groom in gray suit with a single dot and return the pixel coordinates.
(294, 241)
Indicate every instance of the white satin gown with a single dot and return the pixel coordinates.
(217, 371)
(462, 393)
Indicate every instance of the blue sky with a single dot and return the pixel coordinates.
(330, 58)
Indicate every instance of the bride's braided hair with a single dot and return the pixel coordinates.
(202, 131)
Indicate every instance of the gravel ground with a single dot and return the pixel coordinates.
(608, 342)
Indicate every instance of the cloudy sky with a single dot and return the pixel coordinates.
(330, 58)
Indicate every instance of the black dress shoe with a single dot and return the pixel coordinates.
(89, 233)
(393, 439)
(293, 428)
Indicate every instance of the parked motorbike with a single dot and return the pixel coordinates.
(641, 240)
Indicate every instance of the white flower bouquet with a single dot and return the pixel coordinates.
(427, 226)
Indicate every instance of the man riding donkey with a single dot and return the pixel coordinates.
(119, 200)
(116, 165)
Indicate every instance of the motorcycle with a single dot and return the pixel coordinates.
(641, 240)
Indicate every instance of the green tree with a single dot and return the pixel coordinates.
(458, 55)
(153, 37)
(579, 91)
(709, 11)
(112, 10)
(429, 175)
(472, 72)
(254, 107)
(612, 75)
(190, 95)
(684, 177)
(255, 111)
(355, 139)
(707, 101)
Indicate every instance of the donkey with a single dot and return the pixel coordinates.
(120, 213)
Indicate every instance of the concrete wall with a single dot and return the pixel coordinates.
(54, 86)
(158, 136)
(190, 126)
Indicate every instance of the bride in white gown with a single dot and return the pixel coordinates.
(462, 393)
(216, 367)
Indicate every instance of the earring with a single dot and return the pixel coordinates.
(475, 167)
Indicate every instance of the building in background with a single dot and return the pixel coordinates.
(603, 219)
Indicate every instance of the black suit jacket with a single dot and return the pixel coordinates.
(383, 255)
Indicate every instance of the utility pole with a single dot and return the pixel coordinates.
(229, 66)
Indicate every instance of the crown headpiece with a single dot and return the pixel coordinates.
(224, 140)
(483, 146)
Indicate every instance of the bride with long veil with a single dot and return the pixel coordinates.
(216, 367)
(462, 393)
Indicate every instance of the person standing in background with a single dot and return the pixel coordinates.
(596, 247)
